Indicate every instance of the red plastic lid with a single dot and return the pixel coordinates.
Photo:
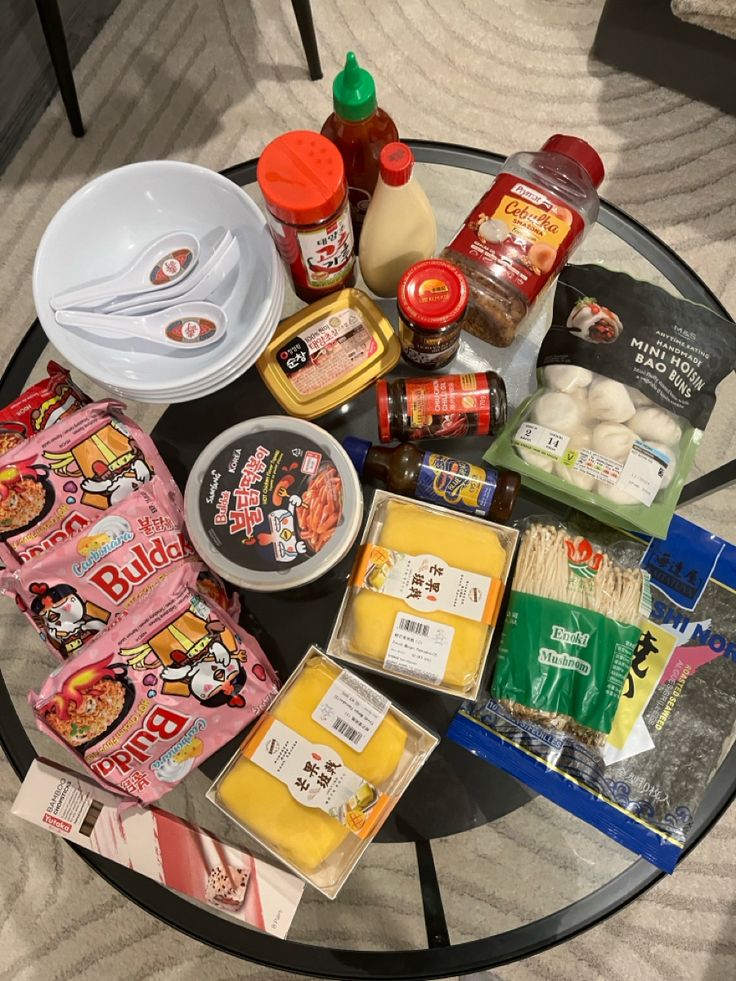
(579, 151)
(433, 293)
(396, 163)
(384, 425)
(302, 177)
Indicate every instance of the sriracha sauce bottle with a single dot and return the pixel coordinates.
(360, 129)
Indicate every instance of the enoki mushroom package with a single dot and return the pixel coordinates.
(675, 721)
(627, 382)
(572, 624)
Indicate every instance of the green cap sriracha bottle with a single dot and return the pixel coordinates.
(360, 129)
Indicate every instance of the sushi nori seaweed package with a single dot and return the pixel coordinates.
(676, 716)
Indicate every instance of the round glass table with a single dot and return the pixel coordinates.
(472, 869)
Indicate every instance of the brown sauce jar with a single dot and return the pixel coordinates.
(432, 300)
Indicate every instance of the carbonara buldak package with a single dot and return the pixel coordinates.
(158, 692)
(627, 382)
(674, 717)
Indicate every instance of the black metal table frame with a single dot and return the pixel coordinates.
(441, 958)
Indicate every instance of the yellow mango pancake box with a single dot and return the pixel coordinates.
(313, 842)
(368, 619)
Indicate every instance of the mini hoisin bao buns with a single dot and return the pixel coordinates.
(566, 377)
(582, 439)
(609, 401)
(651, 422)
(613, 440)
(557, 411)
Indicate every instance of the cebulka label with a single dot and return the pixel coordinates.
(520, 232)
(316, 776)
(427, 583)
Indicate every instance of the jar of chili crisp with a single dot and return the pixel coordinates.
(432, 299)
(302, 178)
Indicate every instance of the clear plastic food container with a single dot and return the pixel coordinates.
(322, 769)
(425, 594)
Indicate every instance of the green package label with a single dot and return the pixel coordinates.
(564, 659)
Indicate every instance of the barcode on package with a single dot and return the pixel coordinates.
(352, 710)
(414, 627)
(419, 648)
(343, 728)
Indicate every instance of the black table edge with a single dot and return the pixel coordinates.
(439, 960)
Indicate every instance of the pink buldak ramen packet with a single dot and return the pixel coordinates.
(69, 476)
(160, 691)
(74, 591)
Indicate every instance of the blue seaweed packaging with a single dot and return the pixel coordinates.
(676, 717)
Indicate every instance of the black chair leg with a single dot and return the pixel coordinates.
(53, 29)
(303, 14)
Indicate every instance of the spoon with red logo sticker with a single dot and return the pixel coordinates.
(185, 325)
(167, 260)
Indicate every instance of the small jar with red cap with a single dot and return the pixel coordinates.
(302, 178)
(432, 300)
(521, 233)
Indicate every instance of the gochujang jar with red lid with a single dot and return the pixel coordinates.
(432, 299)
(302, 178)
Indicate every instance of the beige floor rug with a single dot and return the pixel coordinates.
(210, 81)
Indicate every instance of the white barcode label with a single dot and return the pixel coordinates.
(546, 441)
(352, 710)
(419, 648)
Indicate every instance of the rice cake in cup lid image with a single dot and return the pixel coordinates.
(273, 503)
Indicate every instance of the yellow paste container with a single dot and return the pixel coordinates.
(327, 353)
(424, 596)
(266, 786)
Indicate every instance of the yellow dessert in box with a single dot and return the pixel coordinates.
(282, 786)
(422, 566)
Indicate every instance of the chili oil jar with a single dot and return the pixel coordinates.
(446, 405)
(432, 300)
(302, 178)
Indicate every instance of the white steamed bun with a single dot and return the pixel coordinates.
(651, 422)
(557, 411)
(609, 401)
(567, 377)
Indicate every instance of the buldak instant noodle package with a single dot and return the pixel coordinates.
(74, 591)
(675, 717)
(156, 694)
(40, 407)
(70, 476)
(627, 383)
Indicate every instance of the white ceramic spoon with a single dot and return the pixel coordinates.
(213, 278)
(185, 325)
(168, 260)
(177, 291)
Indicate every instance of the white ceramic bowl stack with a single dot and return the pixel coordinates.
(102, 227)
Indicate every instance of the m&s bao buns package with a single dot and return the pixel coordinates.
(69, 476)
(158, 692)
